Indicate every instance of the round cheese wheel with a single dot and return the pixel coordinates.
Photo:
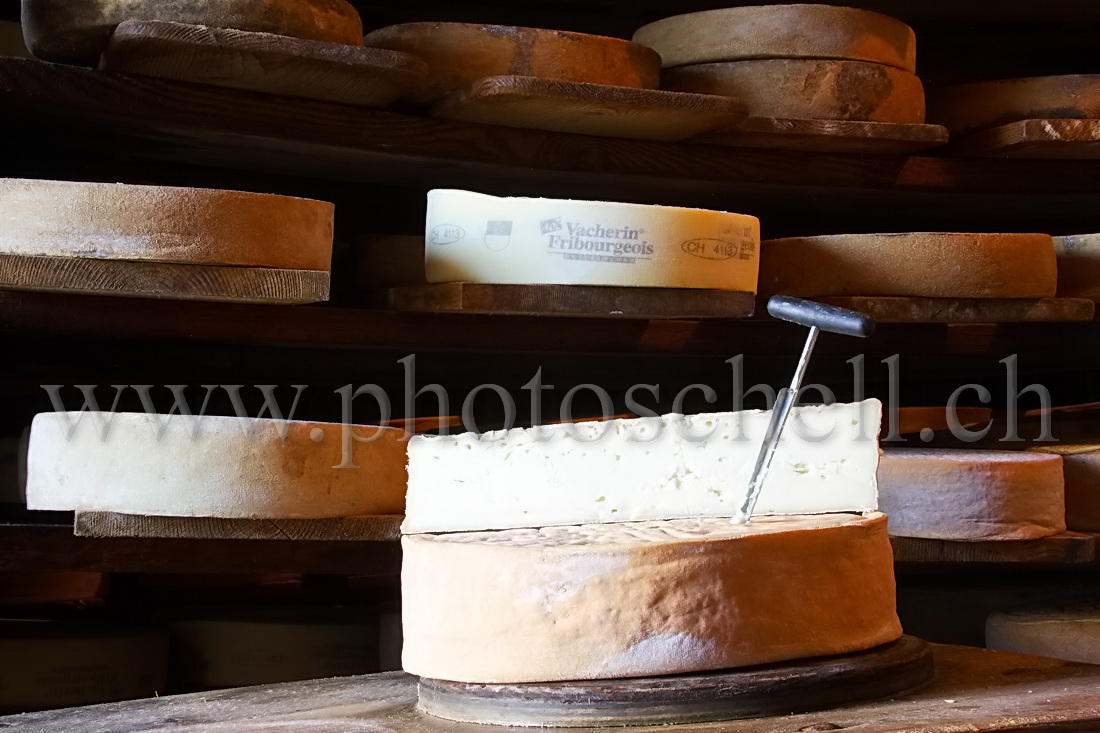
(644, 598)
(968, 107)
(917, 264)
(472, 237)
(459, 54)
(50, 664)
(808, 88)
(164, 224)
(1078, 266)
(781, 31)
(1065, 632)
(953, 494)
(76, 31)
(1081, 469)
(229, 467)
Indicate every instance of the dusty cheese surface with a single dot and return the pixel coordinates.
(1064, 632)
(781, 31)
(473, 237)
(971, 495)
(643, 599)
(809, 88)
(164, 224)
(232, 467)
(915, 264)
(1081, 469)
(968, 107)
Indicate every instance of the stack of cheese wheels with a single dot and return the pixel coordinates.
(968, 107)
(1081, 470)
(914, 264)
(473, 237)
(459, 54)
(954, 494)
(235, 647)
(1070, 631)
(175, 465)
(1078, 266)
(606, 549)
(51, 664)
(76, 31)
(803, 61)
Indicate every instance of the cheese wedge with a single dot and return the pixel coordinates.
(968, 107)
(230, 467)
(472, 237)
(76, 31)
(458, 54)
(164, 224)
(917, 264)
(781, 31)
(1081, 470)
(953, 494)
(1067, 632)
(641, 599)
(1078, 266)
(808, 88)
(643, 468)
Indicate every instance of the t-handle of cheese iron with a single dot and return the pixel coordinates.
(819, 317)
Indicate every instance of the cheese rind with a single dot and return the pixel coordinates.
(808, 88)
(916, 264)
(954, 494)
(1081, 470)
(76, 31)
(233, 467)
(644, 599)
(164, 224)
(968, 107)
(472, 237)
(1078, 266)
(1069, 632)
(643, 468)
(781, 31)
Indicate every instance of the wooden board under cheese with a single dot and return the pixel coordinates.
(955, 494)
(458, 54)
(919, 264)
(808, 88)
(1081, 469)
(644, 599)
(968, 107)
(780, 31)
(76, 31)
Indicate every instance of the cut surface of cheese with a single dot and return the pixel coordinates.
(643, 599)
(76, 31)
(459, 54)
(473, 237)
(164, 224)
(48, 664)
(1071, 631)
(645, 468)
(968, 107)
(1078, 266)
(781, 31)
(229, 467)
(953, 494)
(916, 264)
(1081, 470)
(809, 88)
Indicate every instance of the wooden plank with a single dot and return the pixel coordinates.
(1067, 548)
(828, 136)
(163, 280)
(590, 109)
(1061, 139)
(336, 529)
(572, 300)
(967, 310)
(975, 690)
(263, 62)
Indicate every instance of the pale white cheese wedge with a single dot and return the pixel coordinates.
(472, 237)
(644, 599)
(663, 467)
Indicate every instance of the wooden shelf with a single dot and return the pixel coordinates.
(1068, 548)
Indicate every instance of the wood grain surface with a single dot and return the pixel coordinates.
(1062, 139)
(828, 136)
(590, 109)
(383, 528)
(163, 280)
(967, 310)
(572, 300)
(975, 690)
(263, 62)
(1067, 548)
